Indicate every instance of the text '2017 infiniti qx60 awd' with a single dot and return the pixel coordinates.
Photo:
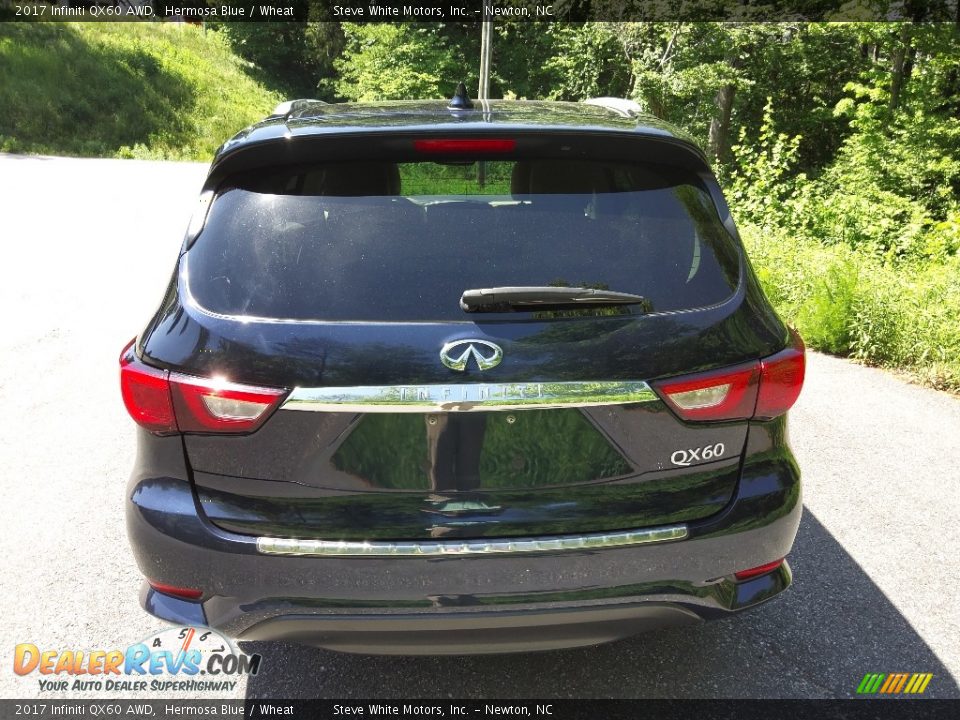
(435, 379)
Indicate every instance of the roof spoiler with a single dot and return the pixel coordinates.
(621, 106)
(289, 106)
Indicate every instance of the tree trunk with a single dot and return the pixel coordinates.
(718, 140)
(909, 64)
(898, 68)
(896, 76)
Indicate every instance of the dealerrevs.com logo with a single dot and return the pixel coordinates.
(180, 659)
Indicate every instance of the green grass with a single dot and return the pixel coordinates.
(904, 316)
(149, 90)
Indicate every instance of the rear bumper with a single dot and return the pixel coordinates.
(447, 630)
(464, 604)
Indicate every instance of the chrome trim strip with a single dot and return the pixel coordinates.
(468, 397)
(459, 548)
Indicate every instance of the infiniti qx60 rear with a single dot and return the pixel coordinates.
(470, 379)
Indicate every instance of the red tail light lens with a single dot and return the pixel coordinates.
(465, 146)
(204, 405)
(165, 402)
(730, 394)
(146, 394)
(781, 379)
(180, 592)
(762, 390)
(758, 571)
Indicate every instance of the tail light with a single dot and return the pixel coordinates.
(730, 394)
(184, 593)
(166, 402)
(146, 394)
(762, 389)
(758, 571)
(467, 145)
(203, 405)
(781, 379)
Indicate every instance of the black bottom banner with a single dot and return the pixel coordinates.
(893, 709)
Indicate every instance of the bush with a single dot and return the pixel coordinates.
(859, 268)
(844, 302)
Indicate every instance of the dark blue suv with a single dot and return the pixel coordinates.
(435, 379)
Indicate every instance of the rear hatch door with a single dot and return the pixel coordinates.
(409, 418)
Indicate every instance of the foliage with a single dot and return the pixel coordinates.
(862, 255)
(296, 59)
(760, 181)
(404, 61)
(680, 68)
(122, 89)
(583, 61)
(845, 302)
(890, 192)
(561, 61)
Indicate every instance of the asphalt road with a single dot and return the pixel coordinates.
(87, 248)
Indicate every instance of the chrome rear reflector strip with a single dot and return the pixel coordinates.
(593, 541)
(468, 397)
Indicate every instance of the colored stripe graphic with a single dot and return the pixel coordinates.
(894, 683)
(889, 683)
(870, 683)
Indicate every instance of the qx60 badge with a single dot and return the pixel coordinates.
(456, 355)
(685, 458)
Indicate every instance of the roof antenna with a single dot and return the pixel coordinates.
(460, 99)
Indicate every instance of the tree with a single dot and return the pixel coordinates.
(295, 58)
(406, 60)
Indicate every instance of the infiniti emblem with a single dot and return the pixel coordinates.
(456, 355)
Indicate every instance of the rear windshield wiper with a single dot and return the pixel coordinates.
(500, 299)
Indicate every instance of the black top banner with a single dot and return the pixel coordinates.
(468, 11)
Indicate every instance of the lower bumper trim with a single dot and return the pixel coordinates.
(472, 633)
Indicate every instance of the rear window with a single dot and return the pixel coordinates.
(382, 241)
